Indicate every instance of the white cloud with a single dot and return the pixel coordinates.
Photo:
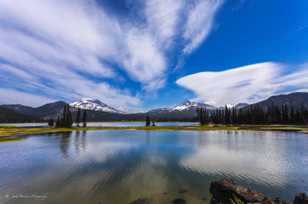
(199, 23)
(142, 50)
(67, 47)
(249, 83)
(163, 17)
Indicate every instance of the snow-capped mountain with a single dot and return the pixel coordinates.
(94, 105)
(189, 105)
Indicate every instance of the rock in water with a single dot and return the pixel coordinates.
(226, 192)
(301, 198)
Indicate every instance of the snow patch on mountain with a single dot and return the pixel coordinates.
(94, 105)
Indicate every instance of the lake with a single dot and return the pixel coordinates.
(117, 167)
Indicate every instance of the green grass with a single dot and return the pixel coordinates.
(15, 132)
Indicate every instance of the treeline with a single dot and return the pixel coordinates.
(255, 115)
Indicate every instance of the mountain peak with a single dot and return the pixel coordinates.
(187, 105)
(94, 105)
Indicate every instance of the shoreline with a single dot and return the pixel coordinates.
(17, 133)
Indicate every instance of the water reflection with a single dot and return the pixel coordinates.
(80, 141)
(121, 166)
(64, 143)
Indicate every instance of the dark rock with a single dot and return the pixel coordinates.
(301, 198)
(141, 201)
(227, 192)
(179, 201)
(204, 198)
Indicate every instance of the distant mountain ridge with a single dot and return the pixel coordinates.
(294, 100)
(99, 111)
(44, 112)
(11, 116)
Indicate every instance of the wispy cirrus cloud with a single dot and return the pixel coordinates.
(249, 83)
(65, 49)
(199, 23)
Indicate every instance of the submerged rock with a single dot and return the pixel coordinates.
(141, 201)
(179, 201)
(227, 192)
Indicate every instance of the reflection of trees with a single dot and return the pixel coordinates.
(64, 143)
(79, 141)
(83, 140)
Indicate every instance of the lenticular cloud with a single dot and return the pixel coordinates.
(249, 83)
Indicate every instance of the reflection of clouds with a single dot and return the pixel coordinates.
(100, 152)
(120, 166)
(261, 160)
(156, 159)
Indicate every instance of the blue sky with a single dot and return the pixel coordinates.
(137, 55)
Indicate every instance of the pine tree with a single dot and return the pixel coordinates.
(69, 118)
(58, 122)
(78, 117)
(84, 118)
(203, 116)
(66, 119)
(227, 115)
(147, 121)
(63, 119)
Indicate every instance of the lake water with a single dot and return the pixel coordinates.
(117, 167)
